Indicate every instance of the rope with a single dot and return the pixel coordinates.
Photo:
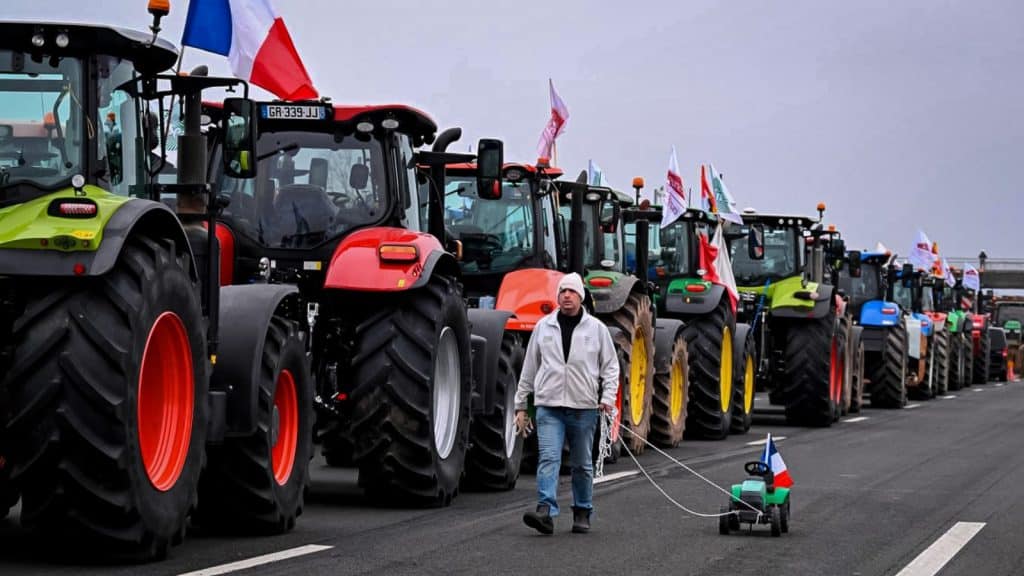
(606, 421)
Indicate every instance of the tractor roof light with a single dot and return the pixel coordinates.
(38, 40)
(543, 162)
(62, 40)
(638, 182)
(592, 197)
(365, 127)
(389, 124)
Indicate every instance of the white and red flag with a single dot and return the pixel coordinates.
(555, 125)
(714, 260)
(773, 459)
(675, 194)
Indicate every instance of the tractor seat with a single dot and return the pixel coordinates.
(307, 203)
(768, 479)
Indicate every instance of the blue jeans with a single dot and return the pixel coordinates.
(554, 425)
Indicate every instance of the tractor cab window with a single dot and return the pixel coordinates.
(927, 302)
(496, 235)
(782, 252)
(591, 232)
(903, 296)
(867, 287)
(43, 125)
(311, 189)
(1006, 312)
(670, 248)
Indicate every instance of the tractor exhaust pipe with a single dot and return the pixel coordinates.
(446, 138)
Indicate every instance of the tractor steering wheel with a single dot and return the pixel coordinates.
(757, 468)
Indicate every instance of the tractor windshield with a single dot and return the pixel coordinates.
(1006, 312)
(496, 235)
(781, 256)
(669, 249)
(43, 126)
(903, 296)
(865, 288)
(312, 188)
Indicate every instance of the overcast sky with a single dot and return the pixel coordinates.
(898, 115)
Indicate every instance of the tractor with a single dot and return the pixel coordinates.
(135, 391)
(721, 358)
(406, 376)
(867, 282)
(959, 323)
(1008, 314)
(927, 339)
(756, 501)
(785, 266)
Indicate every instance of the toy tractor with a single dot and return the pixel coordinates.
(756, 501)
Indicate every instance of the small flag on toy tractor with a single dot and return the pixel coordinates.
(773, 459)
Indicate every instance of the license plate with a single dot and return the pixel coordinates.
(285, 112)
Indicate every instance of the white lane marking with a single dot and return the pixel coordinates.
(912, 406)
(978, 389)
(258, 560)
(1000, 385)
(948, 396)
(857, 419)
(762, 442)
(929, 562)
(616, 476)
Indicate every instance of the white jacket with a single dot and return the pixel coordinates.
(593, 365)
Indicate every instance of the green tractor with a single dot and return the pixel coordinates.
(721, 358)
(960, 323)
(785, 267)
(133, 388)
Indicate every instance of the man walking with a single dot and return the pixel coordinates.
(572, 371)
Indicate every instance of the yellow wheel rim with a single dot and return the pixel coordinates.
(748, 385)
(638, 377)
(725, 372)
(676, 392)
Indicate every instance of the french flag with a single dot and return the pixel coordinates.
(773, 459)
(256, 42)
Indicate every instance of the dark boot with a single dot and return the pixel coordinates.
(540, 520)
(580, 520)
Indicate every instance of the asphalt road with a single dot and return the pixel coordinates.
(885, 492)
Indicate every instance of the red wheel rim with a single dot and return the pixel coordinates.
(617, 421)
(286, 416)
(166, 401)
(835, 385)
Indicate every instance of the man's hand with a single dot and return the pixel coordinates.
(606, 408)
(523, 424)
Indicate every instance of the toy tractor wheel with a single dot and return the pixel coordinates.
(256, 483)
(743, 381)
(496, 450)
(107, 388)
(723, 521)
(411, 402)
(784, 517)
(888, 377)
(776, 518)
(634, 341)
(709, 344)
(671, 389)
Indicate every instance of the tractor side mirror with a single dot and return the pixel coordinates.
(854, 263)
(838, 248)
(611, 212)
(358, 177)
(239, 138)
(908, 275)
(490, 158)
(755, 241)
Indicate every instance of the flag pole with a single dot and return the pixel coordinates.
(554, 152)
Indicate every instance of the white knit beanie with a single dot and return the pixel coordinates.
(572, 282)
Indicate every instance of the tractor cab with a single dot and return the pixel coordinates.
(866, 286)
(768, 248)
(514, 232)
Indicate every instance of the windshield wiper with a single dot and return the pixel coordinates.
(275, 151)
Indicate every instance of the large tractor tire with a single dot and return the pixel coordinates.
(709, 343)
(967, 353)
(743, 380)
(411, 396)
(495, 449)
(889, 375)
(982, 363)
(634, 341)
(812, 384)
(856, 370)
(256, 483)
(954, 373)
(671, 389)
(842, 403)
(937, 371)
(108, 391)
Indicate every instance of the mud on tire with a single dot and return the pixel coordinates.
(256, 483)
(396, 370)
(86, 462)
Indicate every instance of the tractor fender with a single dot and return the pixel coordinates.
(245, 313)
(694, 304)
(527, 294)
(610, 299)
(822, 305)
(490, 325)
(665, 332)
(872, 313)
(135, 216)
(356, 264)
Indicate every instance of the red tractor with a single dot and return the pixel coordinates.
(403, 373)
